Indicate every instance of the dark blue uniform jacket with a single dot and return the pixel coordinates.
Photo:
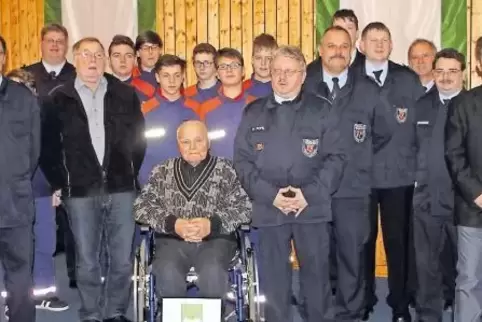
(297, 144)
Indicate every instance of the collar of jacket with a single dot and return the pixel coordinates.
(114, 85)
(3, 88)
(296, 103)
(315, 72)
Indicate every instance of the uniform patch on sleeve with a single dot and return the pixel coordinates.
(359, 132)
(310, 147)
(259, 146)
(401, 114)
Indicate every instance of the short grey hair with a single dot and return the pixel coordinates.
(291, 52)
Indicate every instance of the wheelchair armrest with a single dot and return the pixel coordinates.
(144, 228)
(245, 228)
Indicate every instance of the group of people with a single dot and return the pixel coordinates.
(309, 154)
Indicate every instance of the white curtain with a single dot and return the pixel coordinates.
(406, 19)
(99, 18)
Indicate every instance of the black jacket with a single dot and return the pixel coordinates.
(20, 150)
(364, 126)
(68, 158)
(44, 83)
(394, 164)
(463, 152)
(291, 144)
(433, 190)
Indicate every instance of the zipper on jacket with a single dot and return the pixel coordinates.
(133, 176)
(64, 162)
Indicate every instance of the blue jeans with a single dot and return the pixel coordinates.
(45, 239)
(89, 217)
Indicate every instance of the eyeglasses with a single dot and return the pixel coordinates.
(149, 48)
(450, 72)
(200, 64)
(232, 66)
(285, 72)
(87, 55)
(58, 42)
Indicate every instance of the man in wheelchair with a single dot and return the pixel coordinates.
(194, 203)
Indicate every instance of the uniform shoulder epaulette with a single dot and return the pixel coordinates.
(208, 106)
(149, 105)
(190, 91)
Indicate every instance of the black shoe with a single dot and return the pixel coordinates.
(73, 284)
(119, 318)
(51, 303)
(366, 313)
(449, 305)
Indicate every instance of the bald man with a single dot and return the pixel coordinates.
(194, 203)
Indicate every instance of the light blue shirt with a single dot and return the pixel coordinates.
(371, 67)
(446, 96)
(328, 79)
(93, 102)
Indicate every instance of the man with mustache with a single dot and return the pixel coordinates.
(148, 49)
(204, 61)
(259, 84)
(433, 196)
(222, 114)
(393, 171)
(93, 144)
(122, 57)
(421, 54)
(363, 125)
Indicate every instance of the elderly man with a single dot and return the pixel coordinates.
(20, 146)
(195, 203)
(93, 147)
(289, 158)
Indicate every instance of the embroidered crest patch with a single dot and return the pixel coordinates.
(310, 147)
(359, 132)
(401, 114)
(259, 146)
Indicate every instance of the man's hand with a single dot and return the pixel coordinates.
(203, 227)
(299, 201)
(56, 198)
(284, 204)
(478, 201)
(184, 229)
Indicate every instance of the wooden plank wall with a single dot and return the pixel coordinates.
(20, 25)
(234, 23)
(474, 26)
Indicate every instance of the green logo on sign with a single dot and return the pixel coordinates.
(192, 313)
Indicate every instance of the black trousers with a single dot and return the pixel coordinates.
(16, 255)
(396, 221)
(432, 235)
(65, 240)
(350, 233)
(448, 256)
(312, 242)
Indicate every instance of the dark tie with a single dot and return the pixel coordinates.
(378, 74)
(446, 102)
(336, 88)
(53, 75)
(425, 88)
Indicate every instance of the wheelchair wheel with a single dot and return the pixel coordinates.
(255, 300)
(140, 283)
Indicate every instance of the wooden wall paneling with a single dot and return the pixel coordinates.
(213, 22)
(282, 22)
(15, 55)
(202, 20)
(180, 30)
(294, 22)
(32, 42)
(169, 27)
(160, 22)
(224, 23)
(24, 39)
(191, 33)
(307, 29)
(248, 35)
(475, 11)
(236, 31)
(258, 17)
(270, 17)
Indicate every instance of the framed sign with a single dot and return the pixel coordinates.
(191, 310)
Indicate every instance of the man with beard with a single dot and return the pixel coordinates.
(433, 197)
(421, 54)
(364, 129)
(259, 84)
(204, 61)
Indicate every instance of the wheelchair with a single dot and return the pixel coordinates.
(243, 272)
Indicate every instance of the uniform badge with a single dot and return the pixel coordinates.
(259, 146)
(359, 132)
(310, 147)
(401, 114)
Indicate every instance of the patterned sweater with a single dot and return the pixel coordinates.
(217, 193)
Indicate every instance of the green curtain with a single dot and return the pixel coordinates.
(52, 11)
(454, 25)
(146, 15)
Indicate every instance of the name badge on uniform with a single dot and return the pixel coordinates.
(401, 114)
(359, 132)
(257, 129)
(310, 147)
(423, 123)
